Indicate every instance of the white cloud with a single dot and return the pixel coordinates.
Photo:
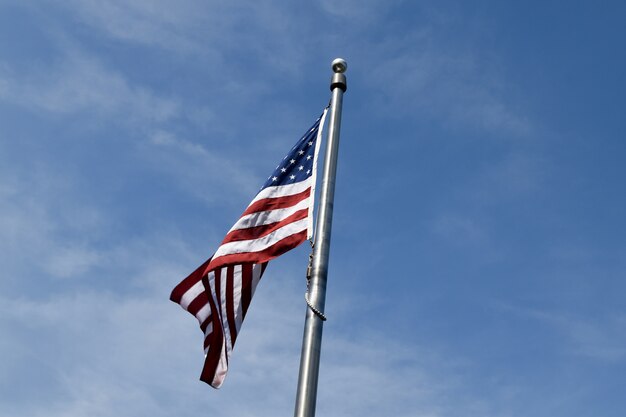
(356, 10)
(517, 176)
(201, 171)
(421, 73)
(209, 32)
(601, 339)
(154, 23)
(105, 352)
(460, 229)
(111, 354)
(38, 214)
(72, 261)
(79, 83)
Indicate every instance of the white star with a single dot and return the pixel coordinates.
(274, 178)
(310, 143)
(292, 161)
(293, 177)
(283, 170)
(308, 157)
(308, 171)
(301, 167)
(301, 152)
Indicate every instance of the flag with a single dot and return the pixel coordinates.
(279, 218)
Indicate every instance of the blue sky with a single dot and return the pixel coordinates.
(478, 253)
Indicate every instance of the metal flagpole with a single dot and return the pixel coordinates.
(312, 339)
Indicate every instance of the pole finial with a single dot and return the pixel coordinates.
(338, 80)
(339, 65)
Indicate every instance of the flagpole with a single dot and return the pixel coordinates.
(312, 339)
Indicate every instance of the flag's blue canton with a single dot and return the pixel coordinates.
(298, 164)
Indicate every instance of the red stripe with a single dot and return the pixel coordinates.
(246, 288)
(275, 203)
(260, 231)
(196, 305)
(265, 255)
(193, 278)
(215, 341)
(204, 325)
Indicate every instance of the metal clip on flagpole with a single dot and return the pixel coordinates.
(312, 339)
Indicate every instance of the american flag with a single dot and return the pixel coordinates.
(277, 220)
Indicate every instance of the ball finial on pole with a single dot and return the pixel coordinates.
(339, 65)
(338, 80)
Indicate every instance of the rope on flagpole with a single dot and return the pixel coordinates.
(309, 269)
(313, 309)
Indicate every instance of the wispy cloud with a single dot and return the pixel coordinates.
(201, 171)
(355, 10)
(211, 32)
(516, 176)
(72, 261)
(79, 83)
(421, 73)
(39, 216)
(102, 351)
(460, 229)
(151, 23)
(602, 338)
(118, 353)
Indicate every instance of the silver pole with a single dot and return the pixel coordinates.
(312, 339)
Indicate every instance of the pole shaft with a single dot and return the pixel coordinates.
(312, 339)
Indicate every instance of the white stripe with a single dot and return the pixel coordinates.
(268, 217)
(256, 245)
(318, 141)
(209, 329)
(256, 277)
(282, 190)
(191, 294)
(225, 325)
(237, 307)
(204, 313)
(207, 333)
(222, 367)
